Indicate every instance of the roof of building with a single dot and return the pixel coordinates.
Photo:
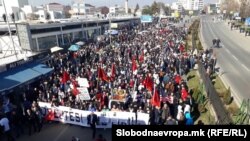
(89, 5)
(54, 3)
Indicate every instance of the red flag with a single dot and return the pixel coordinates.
(99, 73)
(148, 83)
(65, 77)
(155, 101)
(100, 97)
(134, 66)
(113, 70)
(102, 75)
(141, 58)
(50, 115)
(75, 91)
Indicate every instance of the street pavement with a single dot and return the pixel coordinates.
(64, 132)
(232, 57)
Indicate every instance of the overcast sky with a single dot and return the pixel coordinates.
(97, 3)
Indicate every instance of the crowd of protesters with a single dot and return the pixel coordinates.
(145, 68)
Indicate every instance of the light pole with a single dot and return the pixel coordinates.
(7, 20)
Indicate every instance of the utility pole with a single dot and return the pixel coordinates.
(7, 19)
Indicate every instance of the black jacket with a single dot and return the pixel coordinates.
(94, 120)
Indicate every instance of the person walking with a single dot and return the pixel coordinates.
(4, 121)
(92, 121)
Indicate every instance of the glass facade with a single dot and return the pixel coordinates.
(60, 41)
(68, 38)
(47, 42)
(77, 36)
(34, 45)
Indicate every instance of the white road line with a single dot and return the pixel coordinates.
(235, 58)
(227, 51)
(60, 134)
(245, 67)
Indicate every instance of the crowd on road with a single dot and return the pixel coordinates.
(146, 70)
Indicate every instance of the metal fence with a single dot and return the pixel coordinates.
(221, 113)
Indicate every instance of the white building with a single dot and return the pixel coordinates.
(174, 6)
(191, 4)
(113, 9)
(89, 9)
(78, 7)
(12, 6)
(117, 10)
(55, 10)
(42, 14)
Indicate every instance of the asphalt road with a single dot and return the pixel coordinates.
(63, 132)
(232, 57)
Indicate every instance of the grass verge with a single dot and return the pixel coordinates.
(193, 82)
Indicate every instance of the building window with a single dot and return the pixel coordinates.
(34, 45)
(47, 42)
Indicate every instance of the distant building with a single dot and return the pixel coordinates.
(12, 6)
(117, 10)
(67, 10)
(174, 6)
(55, 10)
(190, 4)
(78, 8)
(89, 9)
(211, 9)
(103, 10)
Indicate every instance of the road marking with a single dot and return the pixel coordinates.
(227, 51)
(235, 57)
(61, 133)
(245, 67)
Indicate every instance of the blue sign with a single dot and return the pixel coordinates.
(146, 19)
(247, 22)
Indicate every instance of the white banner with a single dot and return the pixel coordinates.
(84, 93)
(106, 119)
(83, 82)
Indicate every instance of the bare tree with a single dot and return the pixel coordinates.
(104, 10)
(245, 8)
(230, 5)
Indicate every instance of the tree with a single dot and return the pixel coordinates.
(230, 6)
(147, 10)
(161, 6)
(4, 18)
(155, 8)
(244, 8)
(105, 10)
(136, 8)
